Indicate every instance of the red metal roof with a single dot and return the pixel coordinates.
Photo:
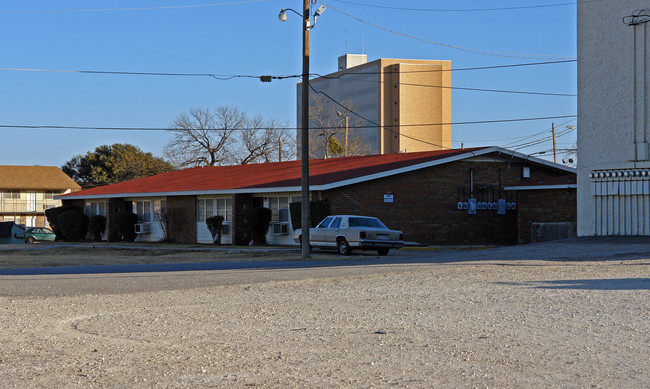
(270, 175)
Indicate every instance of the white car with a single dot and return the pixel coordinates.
(349, 232)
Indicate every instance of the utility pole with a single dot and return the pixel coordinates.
(304, 132)
(346, 136)
(280, 149)
(554, 148)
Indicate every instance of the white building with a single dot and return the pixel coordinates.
(613, 118)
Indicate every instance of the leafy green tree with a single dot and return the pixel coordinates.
(109, 164)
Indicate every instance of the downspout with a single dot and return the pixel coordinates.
(645, 82)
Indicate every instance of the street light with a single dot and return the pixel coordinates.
(304, 131)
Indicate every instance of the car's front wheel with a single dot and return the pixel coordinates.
(344, 247)
(30, 240)
(382, 251)
(300, 241)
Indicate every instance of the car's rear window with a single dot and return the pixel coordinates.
(365, 222)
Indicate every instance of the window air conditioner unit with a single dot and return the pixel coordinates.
(143, 228)
(280, 228)
(225, 228)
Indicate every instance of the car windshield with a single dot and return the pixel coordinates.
(326, 222)
(365, 222)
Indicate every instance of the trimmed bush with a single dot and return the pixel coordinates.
(126, 222)
(53, 214)
(259, 220)
(73, 225)
(96, 226)
(215, 223)
(318, 210)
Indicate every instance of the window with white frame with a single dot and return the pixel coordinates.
(142, 208)
(11, 194)
(92, 208)
(279, 207)
(208, 207)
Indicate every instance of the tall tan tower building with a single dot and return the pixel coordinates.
(395, 105)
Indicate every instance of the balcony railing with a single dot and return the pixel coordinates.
(24, 206)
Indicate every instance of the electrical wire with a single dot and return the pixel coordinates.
(134, 9)
(463, 10)
(372, 122)
(328, 77)
(467, 49)
(221, 77)
(268, 79)
(61, 127)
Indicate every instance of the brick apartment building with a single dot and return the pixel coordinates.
(435, 197)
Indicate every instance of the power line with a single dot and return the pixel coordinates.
(448, 70)
(231, 76)
(518, 138)
(484, 90)
(221, 77)
(134, 9)
(470, 50)
(108, 128)
(463, 10)
(267, 78)
(370, 121)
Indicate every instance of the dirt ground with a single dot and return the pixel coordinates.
(44, 255)
(473, 323)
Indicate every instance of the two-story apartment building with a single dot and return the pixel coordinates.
(27, 191)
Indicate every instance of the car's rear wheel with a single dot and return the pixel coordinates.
(382, 251)
(30, 240)
(344, 247)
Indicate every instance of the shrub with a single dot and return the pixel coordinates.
(52, 216)
(125, 223)
(96, 226)
(73, 225)
(259, 220)
(318, 210)
(214, 225)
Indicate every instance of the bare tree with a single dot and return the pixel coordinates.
(262, 141)
(203, 137)
(226, 136)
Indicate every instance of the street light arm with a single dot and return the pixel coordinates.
(283, 15)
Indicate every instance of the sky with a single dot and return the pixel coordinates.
(46, 43)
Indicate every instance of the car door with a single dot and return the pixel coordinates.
(332, 231)
(317, 236)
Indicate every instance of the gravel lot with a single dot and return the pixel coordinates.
(461, 319)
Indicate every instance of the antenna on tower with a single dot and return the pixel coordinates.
(346, 37)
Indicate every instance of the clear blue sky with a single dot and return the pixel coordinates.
(238, 37)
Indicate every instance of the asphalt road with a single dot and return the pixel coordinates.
(61, 281)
